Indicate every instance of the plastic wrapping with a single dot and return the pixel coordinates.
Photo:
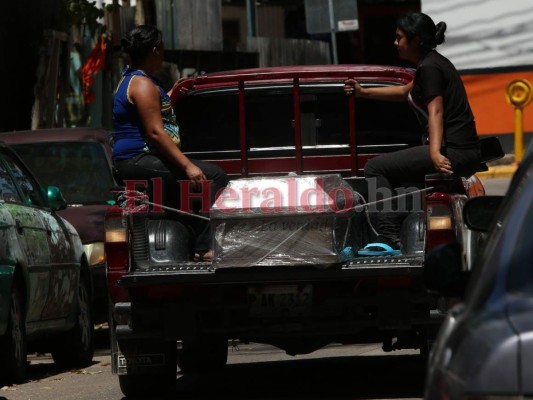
(286, 220)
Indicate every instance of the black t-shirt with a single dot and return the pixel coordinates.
(436, 76)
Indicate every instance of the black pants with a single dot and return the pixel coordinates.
(407, 169)
(149, 166)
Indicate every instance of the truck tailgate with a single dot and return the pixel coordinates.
(204, 273)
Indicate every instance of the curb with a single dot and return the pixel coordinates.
(500, 171)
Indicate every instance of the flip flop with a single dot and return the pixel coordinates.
(384, 250)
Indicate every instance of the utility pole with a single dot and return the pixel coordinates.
(333, 32)
(251, 17)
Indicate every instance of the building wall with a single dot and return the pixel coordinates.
(270, 20)
(237, 15)
(189, 25)
(275, 52)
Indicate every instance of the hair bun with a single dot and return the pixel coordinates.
(439, 36)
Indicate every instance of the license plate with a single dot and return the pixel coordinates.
(280, 301)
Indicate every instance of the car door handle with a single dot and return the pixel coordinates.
(20, 228)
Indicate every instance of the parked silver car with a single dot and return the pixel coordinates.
(77, 160)
(45, 283)
(485, 347)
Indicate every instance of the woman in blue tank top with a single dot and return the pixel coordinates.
(147, 140)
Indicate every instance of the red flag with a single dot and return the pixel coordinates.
(95, 63)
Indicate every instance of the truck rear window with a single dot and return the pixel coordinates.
(209, 122)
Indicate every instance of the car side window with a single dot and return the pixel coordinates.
(30, 188)
(8, 190)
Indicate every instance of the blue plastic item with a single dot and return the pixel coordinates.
(386, 250)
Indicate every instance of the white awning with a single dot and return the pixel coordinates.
(485, 33)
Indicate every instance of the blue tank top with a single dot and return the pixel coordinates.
(130, 138)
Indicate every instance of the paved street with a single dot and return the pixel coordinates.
(253, 371)
(496, 186)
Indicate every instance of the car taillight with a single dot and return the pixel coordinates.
(440, 223)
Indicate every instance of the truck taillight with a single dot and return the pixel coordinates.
(116, 242)
(117, 254)
(440, 225)
(116, 235)
(439, 217)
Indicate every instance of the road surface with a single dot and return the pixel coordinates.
(254, 371)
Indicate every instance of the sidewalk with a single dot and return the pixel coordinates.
(500, 169)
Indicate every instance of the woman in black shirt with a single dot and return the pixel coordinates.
(438, 97)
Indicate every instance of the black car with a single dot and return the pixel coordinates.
(485, 346)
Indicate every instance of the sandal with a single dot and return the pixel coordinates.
(378, 249)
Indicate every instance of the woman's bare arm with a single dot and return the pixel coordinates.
(387, 93)
(436, 134)
(146, 97)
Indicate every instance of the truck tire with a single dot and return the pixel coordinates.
(203, 355)
(140, 384)
(14, 363)
(75, 347)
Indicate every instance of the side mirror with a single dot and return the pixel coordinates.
(443, 271)
(56, 201)
(479, 212)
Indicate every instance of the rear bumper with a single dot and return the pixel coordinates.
(349, 302)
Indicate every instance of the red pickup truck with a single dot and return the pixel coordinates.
(280, 274)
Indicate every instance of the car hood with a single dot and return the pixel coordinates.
(88, 221)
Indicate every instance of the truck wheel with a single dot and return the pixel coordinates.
(75, 348)
(203, 355)
(13, 343)
(139, 383)
(426, 338)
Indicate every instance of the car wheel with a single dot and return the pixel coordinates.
(147, 382)
(203, 355)
(75, 348)
(13, 343)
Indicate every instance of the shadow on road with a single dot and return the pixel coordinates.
(42, 366)
(326, 378)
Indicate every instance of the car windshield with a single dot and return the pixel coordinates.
(79, 169)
